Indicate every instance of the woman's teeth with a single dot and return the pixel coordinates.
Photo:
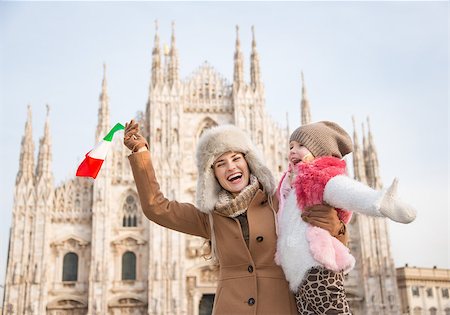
(234, 177)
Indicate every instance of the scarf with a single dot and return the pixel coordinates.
(230, 206)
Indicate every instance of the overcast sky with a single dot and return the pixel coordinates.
(386, 60)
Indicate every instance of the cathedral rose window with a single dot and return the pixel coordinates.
(129, 218)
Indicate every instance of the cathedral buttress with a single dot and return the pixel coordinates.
(101, 218)
(44, 205)
(18, 280)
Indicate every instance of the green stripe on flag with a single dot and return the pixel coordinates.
(110, 134)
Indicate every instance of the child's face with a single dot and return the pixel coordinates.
(298, 153)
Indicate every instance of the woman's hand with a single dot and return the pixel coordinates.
(133, 140)
(326, 217)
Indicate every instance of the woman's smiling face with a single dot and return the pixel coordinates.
(232, 172)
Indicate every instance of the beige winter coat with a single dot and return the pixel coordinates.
(249, 280)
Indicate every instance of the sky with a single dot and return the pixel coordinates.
(383, 60)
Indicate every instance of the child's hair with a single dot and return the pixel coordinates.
(323, 138)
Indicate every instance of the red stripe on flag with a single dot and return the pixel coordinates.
(89, 167)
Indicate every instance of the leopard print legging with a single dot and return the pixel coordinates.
(322, 293)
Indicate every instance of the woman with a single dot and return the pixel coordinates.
(235, 210)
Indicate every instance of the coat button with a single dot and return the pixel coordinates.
(259, 239)
(250, 268)
(251, 301)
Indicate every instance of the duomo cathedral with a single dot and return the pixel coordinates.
(84, 247)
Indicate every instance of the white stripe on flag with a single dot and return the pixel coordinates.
(100, 150)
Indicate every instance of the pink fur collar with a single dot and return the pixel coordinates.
(312, 178)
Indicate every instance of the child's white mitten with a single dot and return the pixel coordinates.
(346, 193)
(395, 209)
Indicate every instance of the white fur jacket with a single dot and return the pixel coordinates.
(300, 245)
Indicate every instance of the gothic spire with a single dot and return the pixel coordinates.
(166, 63)
(373, 160)
(287, 123)
(305, 108)
(103, 110)
(156, 59)
(43, 169)
(364, 138)
(26, 163)
(238, 77)
(366, 155)
(173, 63)
(255, 72)
(358, 158)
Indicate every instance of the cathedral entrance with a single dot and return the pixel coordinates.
(206, 304)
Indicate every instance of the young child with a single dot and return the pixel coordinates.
(313, 261)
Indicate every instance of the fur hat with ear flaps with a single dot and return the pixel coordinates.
(213, 143)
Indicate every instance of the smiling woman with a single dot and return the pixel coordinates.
(236, 210)
(231, 170)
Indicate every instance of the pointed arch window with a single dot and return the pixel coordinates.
(77, 204)
(260, 137)
(175, 136)
(129, 218)
(158, 136)
(70, 267)
(129, 266)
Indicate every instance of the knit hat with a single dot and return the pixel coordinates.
(323, 138)
(213, 143)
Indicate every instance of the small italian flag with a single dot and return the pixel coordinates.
(94, 159)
